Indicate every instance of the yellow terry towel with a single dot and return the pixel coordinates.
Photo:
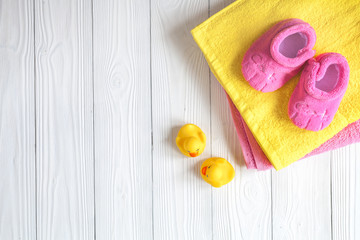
(224, 39)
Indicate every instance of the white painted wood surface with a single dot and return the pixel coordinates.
(92, 95)
(64, 120)
(17, 121)
(182, 202)
(122, 120)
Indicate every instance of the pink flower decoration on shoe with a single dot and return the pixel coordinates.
(278, 55)
(319, 92)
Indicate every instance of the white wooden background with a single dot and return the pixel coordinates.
(92, 94)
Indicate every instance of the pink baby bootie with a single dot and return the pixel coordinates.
(278, 55)
(318, 94)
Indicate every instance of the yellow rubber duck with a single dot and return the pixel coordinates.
(191, 140)
(217, 171)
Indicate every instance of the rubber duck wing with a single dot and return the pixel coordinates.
(202, 137)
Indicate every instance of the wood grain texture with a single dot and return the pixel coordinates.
(301, 200)
(123, 158)
(345, 182)
(64, 120)
(17, 121)
(180, 94)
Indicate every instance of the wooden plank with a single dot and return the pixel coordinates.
(345, 182)
(123, 162)
(17, 121)
(64, 120)
(180, 94)
(241, 209)
(301, 200)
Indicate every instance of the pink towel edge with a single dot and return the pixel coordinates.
(255, 158)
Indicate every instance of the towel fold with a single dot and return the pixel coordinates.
(256, 159)
(224, 39)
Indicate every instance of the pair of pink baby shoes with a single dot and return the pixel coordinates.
(279, 54)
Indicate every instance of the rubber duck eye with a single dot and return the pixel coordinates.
(209, 166)
(207, 176)
(197, 149)
(188, 151)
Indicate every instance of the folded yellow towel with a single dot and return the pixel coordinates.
(224, 39)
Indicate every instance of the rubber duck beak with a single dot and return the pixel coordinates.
(203, 170)
(193, 154)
